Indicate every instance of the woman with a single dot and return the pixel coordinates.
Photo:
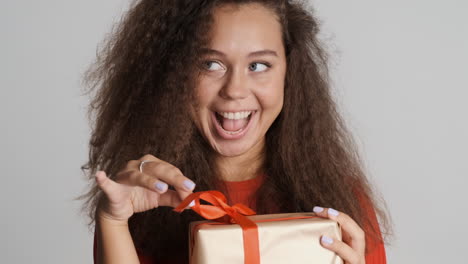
(227, 95)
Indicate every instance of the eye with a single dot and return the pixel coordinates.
(259, 67)
(212, 66)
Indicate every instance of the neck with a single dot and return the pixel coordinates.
(243, 167)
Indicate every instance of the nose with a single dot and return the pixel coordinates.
(235, 86)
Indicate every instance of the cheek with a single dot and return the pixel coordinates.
(205, 92)
(278, 90)
(272, 95)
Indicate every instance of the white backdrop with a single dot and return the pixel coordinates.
(399, 69)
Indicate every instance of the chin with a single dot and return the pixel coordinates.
(231, 150)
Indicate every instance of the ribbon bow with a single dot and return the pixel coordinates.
(220, 211)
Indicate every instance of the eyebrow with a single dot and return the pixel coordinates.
(252, 54)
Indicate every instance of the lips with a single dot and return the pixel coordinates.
(230, 125)
(233, 122)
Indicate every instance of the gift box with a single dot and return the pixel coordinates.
(235, 235)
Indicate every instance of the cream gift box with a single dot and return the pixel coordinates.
(279, 238)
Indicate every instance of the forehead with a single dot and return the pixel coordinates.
(245, 27)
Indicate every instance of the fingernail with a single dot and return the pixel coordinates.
(327, 240)
(160, 186)
(192, 203)
(317, 209)
(189, 184)
(333, 212)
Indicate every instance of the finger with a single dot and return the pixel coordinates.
(107, 185)
(136, 178)
(352, 232)
(171, 198)
(348, 254)
(172, 176)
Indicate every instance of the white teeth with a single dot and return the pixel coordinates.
(236, 115)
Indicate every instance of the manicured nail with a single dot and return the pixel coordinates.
(160, 186)
(317, 209)
(333, 212)
(189, 184)
(327, 240)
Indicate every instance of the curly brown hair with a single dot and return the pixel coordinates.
(141, 105)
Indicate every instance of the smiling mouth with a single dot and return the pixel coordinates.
(233, 122)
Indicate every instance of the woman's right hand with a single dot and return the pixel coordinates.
(133, 191)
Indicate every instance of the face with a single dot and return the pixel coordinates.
(241, 85)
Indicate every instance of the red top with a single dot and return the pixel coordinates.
(241, 192)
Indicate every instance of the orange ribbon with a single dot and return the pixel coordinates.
(236, 214)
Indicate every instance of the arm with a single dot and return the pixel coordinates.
(377, 256)
(114, 242)
(133, 190)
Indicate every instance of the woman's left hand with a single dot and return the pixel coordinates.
(352, 248)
